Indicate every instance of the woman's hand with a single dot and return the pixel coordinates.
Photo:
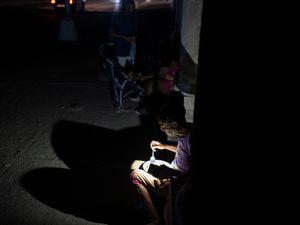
(156, 145)
(162, 184)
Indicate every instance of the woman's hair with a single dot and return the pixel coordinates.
(173, 110)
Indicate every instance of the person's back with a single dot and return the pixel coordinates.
(124, 32)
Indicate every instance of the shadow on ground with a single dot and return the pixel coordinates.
(96, 186)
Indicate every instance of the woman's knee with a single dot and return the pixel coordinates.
(134, 176)
(136, 164)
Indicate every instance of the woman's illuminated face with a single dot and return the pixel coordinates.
(169, 128)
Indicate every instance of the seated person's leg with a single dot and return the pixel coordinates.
(144, 182)
(149, 87)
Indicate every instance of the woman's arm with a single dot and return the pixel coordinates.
(157, 145)
(171, 148)
(147, 76)
(124, 37)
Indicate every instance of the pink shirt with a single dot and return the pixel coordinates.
(168, 84)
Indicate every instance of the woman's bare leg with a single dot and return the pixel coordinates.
(155, 219)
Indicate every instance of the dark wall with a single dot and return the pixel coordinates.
(243, 150)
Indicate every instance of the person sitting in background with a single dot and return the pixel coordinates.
(158, 84)
(124, 31)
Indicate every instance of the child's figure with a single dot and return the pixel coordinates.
(162, 80)
(158, 85)
(167, 75)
